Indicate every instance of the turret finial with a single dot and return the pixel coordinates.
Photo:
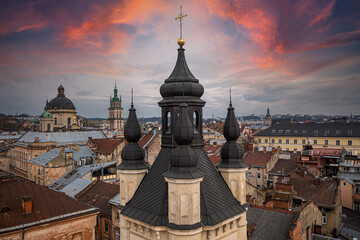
(230, 97)
(181, 41)
(132, 98)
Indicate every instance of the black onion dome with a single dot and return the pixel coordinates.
(231, 152)
(60, 102)
(132, 130)
(181, 81)
(231, 128)
(183, 160)
(133, 154)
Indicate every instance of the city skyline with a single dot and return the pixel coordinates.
(294, 57)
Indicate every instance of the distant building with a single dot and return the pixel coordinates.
(268, 119)
(31, 211)
(116, 121)
(59, 114)
(49, 166)
(349, 175)
(33, 144)
(107, 149)
(292, 137)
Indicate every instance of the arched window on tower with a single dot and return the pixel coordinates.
(55, 121)
(168, 123)
(196, 119)
(48, 127)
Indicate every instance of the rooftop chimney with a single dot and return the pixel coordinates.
(27, 205)
(62, 149)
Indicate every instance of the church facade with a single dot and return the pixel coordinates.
(59, 114)
(182, 195)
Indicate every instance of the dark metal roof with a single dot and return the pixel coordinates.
(313, 130)
(269, 223)
(46, 203)
(150, 201)
(60, 102)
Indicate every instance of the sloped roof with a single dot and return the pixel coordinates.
(323, 194)
(98, 194)
(47, 205)
(76, 186)
(146, 139)
(258, 159)
(150, 202)
(270, 224)
(106, 145)
(285, 166)
(328, 152)
(337, 129)
(61, 138)
(45, 158)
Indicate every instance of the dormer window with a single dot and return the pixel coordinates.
(280, 131)
(349, 132)
(316, 131)
(296, 131)
(338, 131)
(287, 131)
(304, 131)
(327, 131)
(273, 131)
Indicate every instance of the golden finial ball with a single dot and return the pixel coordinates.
(181, 42)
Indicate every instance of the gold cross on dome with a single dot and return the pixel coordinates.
(180, 18)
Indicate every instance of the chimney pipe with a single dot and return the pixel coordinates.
(27, 205)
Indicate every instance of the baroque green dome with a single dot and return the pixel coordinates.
(46, 115)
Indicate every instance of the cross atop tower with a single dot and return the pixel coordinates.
(181, 41)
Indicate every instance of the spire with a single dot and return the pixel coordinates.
(183, 160)
(133, 155)
(230, 104)
(46, 104)
(61, 91)
(268, 111)
(132, 98)
(231, 152)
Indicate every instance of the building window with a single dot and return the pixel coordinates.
(168, 122)
(273, 131)
(349, 132)
(266, 140)
(287, 131)
(259, 141)
(280, 131)
(326, 142)
(117, 217)
(350, 142)
(304, 131)
(327, 131)
(196, 121)
(295, 141)
(55, 121)
(316, 131)
(346, 168)
(249, 175)
(338, 131)
(258, 175)
(287, 141)
(357, 169)
(344, 184)
(303, 141)
(357, 206)
(357, 188)
(106, 227)
(337, 142)
(323, 219)
(280, 141)
(315, 141)
(258, 186)
(287, 149)
(272, 140)
(296, 131)
(295, 149)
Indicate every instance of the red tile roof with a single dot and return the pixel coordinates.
(98, 194)
(46, 203)
(328, 152)
(106, 145)
(145, 138)
(215, 158)
(211, 149)
(258, 158)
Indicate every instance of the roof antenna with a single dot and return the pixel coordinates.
(230, 96)
(132, 98)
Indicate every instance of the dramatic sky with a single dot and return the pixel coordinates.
(293, 56)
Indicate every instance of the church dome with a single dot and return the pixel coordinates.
(46, 115)
(181, 81)
(60, 102)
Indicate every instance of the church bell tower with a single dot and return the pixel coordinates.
(116, 121)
